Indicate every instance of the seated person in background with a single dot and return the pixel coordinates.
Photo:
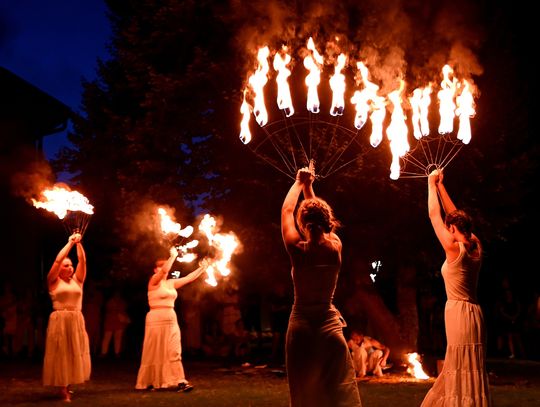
(369, 355)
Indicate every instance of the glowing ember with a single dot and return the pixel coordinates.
(415, 367)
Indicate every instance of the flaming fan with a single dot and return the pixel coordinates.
(437, 151)
(71, 207)
(222, 247)
(291, 142)
(176, 236)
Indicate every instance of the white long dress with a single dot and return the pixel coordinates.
(161, 361)
(463, 381)
(67, 350)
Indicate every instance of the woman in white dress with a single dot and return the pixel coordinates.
(67, 351)
(161, 362)
(463, 380)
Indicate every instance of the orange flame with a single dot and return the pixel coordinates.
(420, 101)
(397, 132)
(337, 84)
(245, 109)
(465, 110)
(60, 200)
(415, 367)
(258, 81)
(313, 63)
(284, 99)
(224, 244)
(446, 101)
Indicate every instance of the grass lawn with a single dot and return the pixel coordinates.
(513, 383)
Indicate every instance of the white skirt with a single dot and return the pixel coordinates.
(67, 351)
(161, 361)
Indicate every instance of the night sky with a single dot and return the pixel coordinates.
(53, 45)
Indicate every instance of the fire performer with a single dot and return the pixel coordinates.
(463, 380)
(161, 361)
(319, 367)
(67, 350)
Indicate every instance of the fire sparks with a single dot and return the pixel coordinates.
(415, 367)
(71, 207)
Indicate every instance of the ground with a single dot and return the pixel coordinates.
(513, 383)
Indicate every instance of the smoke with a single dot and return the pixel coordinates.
(31, 174)
(396, 39)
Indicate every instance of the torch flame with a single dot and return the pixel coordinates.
(465, 110)
(397, 132)
(446, 101)
(420, 101)
(60, 200)
(224, 244)
(284, 99)
(245, 109)
(337, 84)
(313, 63)
(258, 81)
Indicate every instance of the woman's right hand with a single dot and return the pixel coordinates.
(305, 175)
(75, 238)
(434, 177)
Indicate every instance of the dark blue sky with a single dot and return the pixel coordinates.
(53, 44)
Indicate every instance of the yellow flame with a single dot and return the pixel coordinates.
(224, 244)
(397, 132)
(415, 367)
(258, 81)
(337, 84)
(446, 101)
(284, 99)
(60, 200)
(245, 109)
(313, 63)
(465, 110)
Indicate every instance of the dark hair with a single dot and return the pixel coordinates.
(463, 222)
(315, 214)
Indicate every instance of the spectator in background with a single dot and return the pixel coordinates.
(369, 355)
(93, 316)
(115, 323)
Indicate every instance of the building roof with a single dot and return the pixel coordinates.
(22, 102)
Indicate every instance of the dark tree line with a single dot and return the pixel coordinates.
(161, 126)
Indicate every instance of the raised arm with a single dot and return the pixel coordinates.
(447, 203)
(80, 272)
(303, 182)
(307, 188)
(62, 254)
(434, 210)
(180, 282)
(163, 270)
